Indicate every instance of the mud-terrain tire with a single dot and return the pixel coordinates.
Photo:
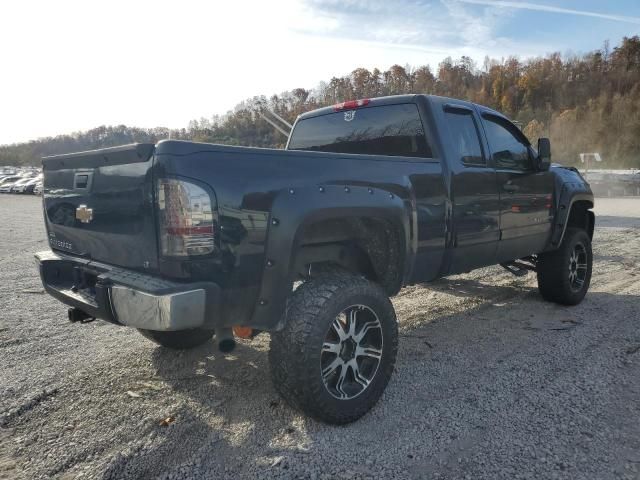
(180, 339)
(564, 274)
(321, 365)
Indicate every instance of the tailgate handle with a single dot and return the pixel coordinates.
(82, 180)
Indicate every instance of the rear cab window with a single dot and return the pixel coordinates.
(391, 130)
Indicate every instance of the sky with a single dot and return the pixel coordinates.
(70, 65)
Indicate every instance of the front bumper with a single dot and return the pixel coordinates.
(126, 297)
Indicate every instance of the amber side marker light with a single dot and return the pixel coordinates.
(243, 332)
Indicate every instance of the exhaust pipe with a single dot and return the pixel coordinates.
(226, 342)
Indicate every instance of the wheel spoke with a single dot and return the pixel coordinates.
(331, 347)
(339, 328)
(352, 321)
(369, 352)
(328, 371)
(340, 382)
(364, 383)
(365, 329)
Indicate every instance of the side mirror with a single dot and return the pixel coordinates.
(544, 154)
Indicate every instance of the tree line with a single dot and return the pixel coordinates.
(584, 103)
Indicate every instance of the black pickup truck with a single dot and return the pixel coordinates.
(185, 240)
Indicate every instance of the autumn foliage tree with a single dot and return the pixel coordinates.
(584, 103)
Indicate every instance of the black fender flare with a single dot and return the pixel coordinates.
(292, 210)
(570, 193)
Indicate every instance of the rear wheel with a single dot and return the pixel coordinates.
(337, 351)
(180, 339)
(564, 274)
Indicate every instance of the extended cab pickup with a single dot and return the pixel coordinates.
(185, 240)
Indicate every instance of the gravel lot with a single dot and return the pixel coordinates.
(491, 382)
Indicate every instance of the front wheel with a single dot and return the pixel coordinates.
(337, 351)
(564, 274)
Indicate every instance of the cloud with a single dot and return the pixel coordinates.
(552, 9)
(405, 23)
(435, 29)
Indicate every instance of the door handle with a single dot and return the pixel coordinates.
(508, 187)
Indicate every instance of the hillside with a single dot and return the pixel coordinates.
(583, 103)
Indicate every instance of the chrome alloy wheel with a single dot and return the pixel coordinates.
(351, 352)
(577, 267)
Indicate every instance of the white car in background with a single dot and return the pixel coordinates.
(6, 186)
(37, 190)
(30, 186)
(7, 182)
(18, 187)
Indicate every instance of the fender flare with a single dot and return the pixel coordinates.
(292, 211)
(571, 193)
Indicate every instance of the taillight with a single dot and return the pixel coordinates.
(186, 218)
(351, 104)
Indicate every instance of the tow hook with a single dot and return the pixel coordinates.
(77, 315)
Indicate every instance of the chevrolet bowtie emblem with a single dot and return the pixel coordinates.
(84, 214)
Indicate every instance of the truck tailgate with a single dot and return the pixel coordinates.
(99, 205)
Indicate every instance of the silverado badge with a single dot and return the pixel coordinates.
(84, 214)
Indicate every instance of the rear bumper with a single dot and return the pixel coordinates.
(126, 297)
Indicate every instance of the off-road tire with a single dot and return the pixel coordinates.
(295, 353)
(553, 269)
(180, 339)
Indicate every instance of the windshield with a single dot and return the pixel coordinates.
(394, 130)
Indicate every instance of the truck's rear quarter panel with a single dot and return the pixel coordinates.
(247, 181)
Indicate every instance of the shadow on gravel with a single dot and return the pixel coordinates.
(462, 287)
(234, 393)
(450, 370)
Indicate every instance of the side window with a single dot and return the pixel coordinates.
(507, 150)
(464, 137)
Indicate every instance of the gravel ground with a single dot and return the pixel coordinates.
(491, 382)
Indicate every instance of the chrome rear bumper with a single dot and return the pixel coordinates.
(172, 311)
(126, 297)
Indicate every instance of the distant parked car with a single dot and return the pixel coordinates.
(9, 181)
(37, 189)
(18, 187)
(8, 185)
(28, 187)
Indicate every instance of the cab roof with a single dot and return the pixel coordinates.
(407, 98)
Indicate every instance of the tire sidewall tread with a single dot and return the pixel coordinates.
(295, 351)
(553, 280)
